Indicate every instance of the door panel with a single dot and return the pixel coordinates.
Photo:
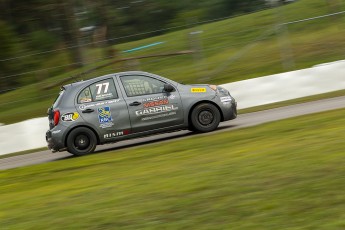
(108, 116)
(149, 108)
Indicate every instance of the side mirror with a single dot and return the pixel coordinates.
(168, 88)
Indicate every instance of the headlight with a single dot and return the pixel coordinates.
(222, 91)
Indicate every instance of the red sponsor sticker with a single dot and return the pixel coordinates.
(156, 103)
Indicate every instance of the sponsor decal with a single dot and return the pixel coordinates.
(83, 107)
(159, 98)
(104, 117)
(102, 91)
(225, 99)
(155, 110)
(115, 134)
(56, 131)
(154, 98)
(85, 100)
(156, 103)
(198, 90)
(70, 116)
(104, 96)
(158, 116)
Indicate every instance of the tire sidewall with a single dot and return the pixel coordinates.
(197, 126)
(71, 148)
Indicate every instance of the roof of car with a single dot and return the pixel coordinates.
(75, 84)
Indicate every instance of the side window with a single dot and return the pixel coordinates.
(141, 85)
(85, 96)
(99, 91)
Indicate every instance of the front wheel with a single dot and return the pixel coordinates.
(205, 118)
(81, 141)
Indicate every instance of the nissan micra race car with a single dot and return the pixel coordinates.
(132, 104)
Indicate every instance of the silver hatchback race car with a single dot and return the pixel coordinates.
(132, 104)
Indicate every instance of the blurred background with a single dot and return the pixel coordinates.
(46, 44)
(287, 174)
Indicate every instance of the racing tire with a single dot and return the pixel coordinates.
(81, 141)
(205, 117)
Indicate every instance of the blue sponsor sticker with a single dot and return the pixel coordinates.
(104, 115)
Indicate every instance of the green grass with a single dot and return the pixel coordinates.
(23, 152)
(282, 175)
(311, 43)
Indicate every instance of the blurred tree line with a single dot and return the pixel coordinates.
(38, 26)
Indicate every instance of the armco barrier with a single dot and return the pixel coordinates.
(324, 78)
(290, 85)
(25, 135)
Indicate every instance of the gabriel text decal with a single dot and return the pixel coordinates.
(155, 110)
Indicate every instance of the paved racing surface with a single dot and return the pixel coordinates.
(245, 120)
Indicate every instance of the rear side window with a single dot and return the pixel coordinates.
(85, 96)
(99, 91)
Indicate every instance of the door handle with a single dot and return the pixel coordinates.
(136, 103)
(88, 111)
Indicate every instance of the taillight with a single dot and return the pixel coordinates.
(56, 117)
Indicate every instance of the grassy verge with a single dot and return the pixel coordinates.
(221, 58)
(282, 175)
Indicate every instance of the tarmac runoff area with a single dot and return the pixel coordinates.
(245, 120)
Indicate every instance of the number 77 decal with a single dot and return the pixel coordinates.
(100, 86)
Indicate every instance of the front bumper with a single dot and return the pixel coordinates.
(234, 110)
(229, 109)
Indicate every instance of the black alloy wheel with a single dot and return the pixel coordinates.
(81, 141)
(205, 117)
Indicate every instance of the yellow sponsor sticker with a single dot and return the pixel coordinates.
(75, 116)
(198, 90)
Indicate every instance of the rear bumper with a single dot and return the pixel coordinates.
(54, 141)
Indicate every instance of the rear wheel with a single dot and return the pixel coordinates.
(81, 141)
(205, 118)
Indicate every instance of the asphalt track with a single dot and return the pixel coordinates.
(244, 120)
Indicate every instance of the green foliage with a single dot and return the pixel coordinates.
(283, 175)
(312, 43)
(224, 8)
(9, 47)
(41, 40)
(43, 25)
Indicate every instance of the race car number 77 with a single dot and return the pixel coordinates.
(100, 86)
